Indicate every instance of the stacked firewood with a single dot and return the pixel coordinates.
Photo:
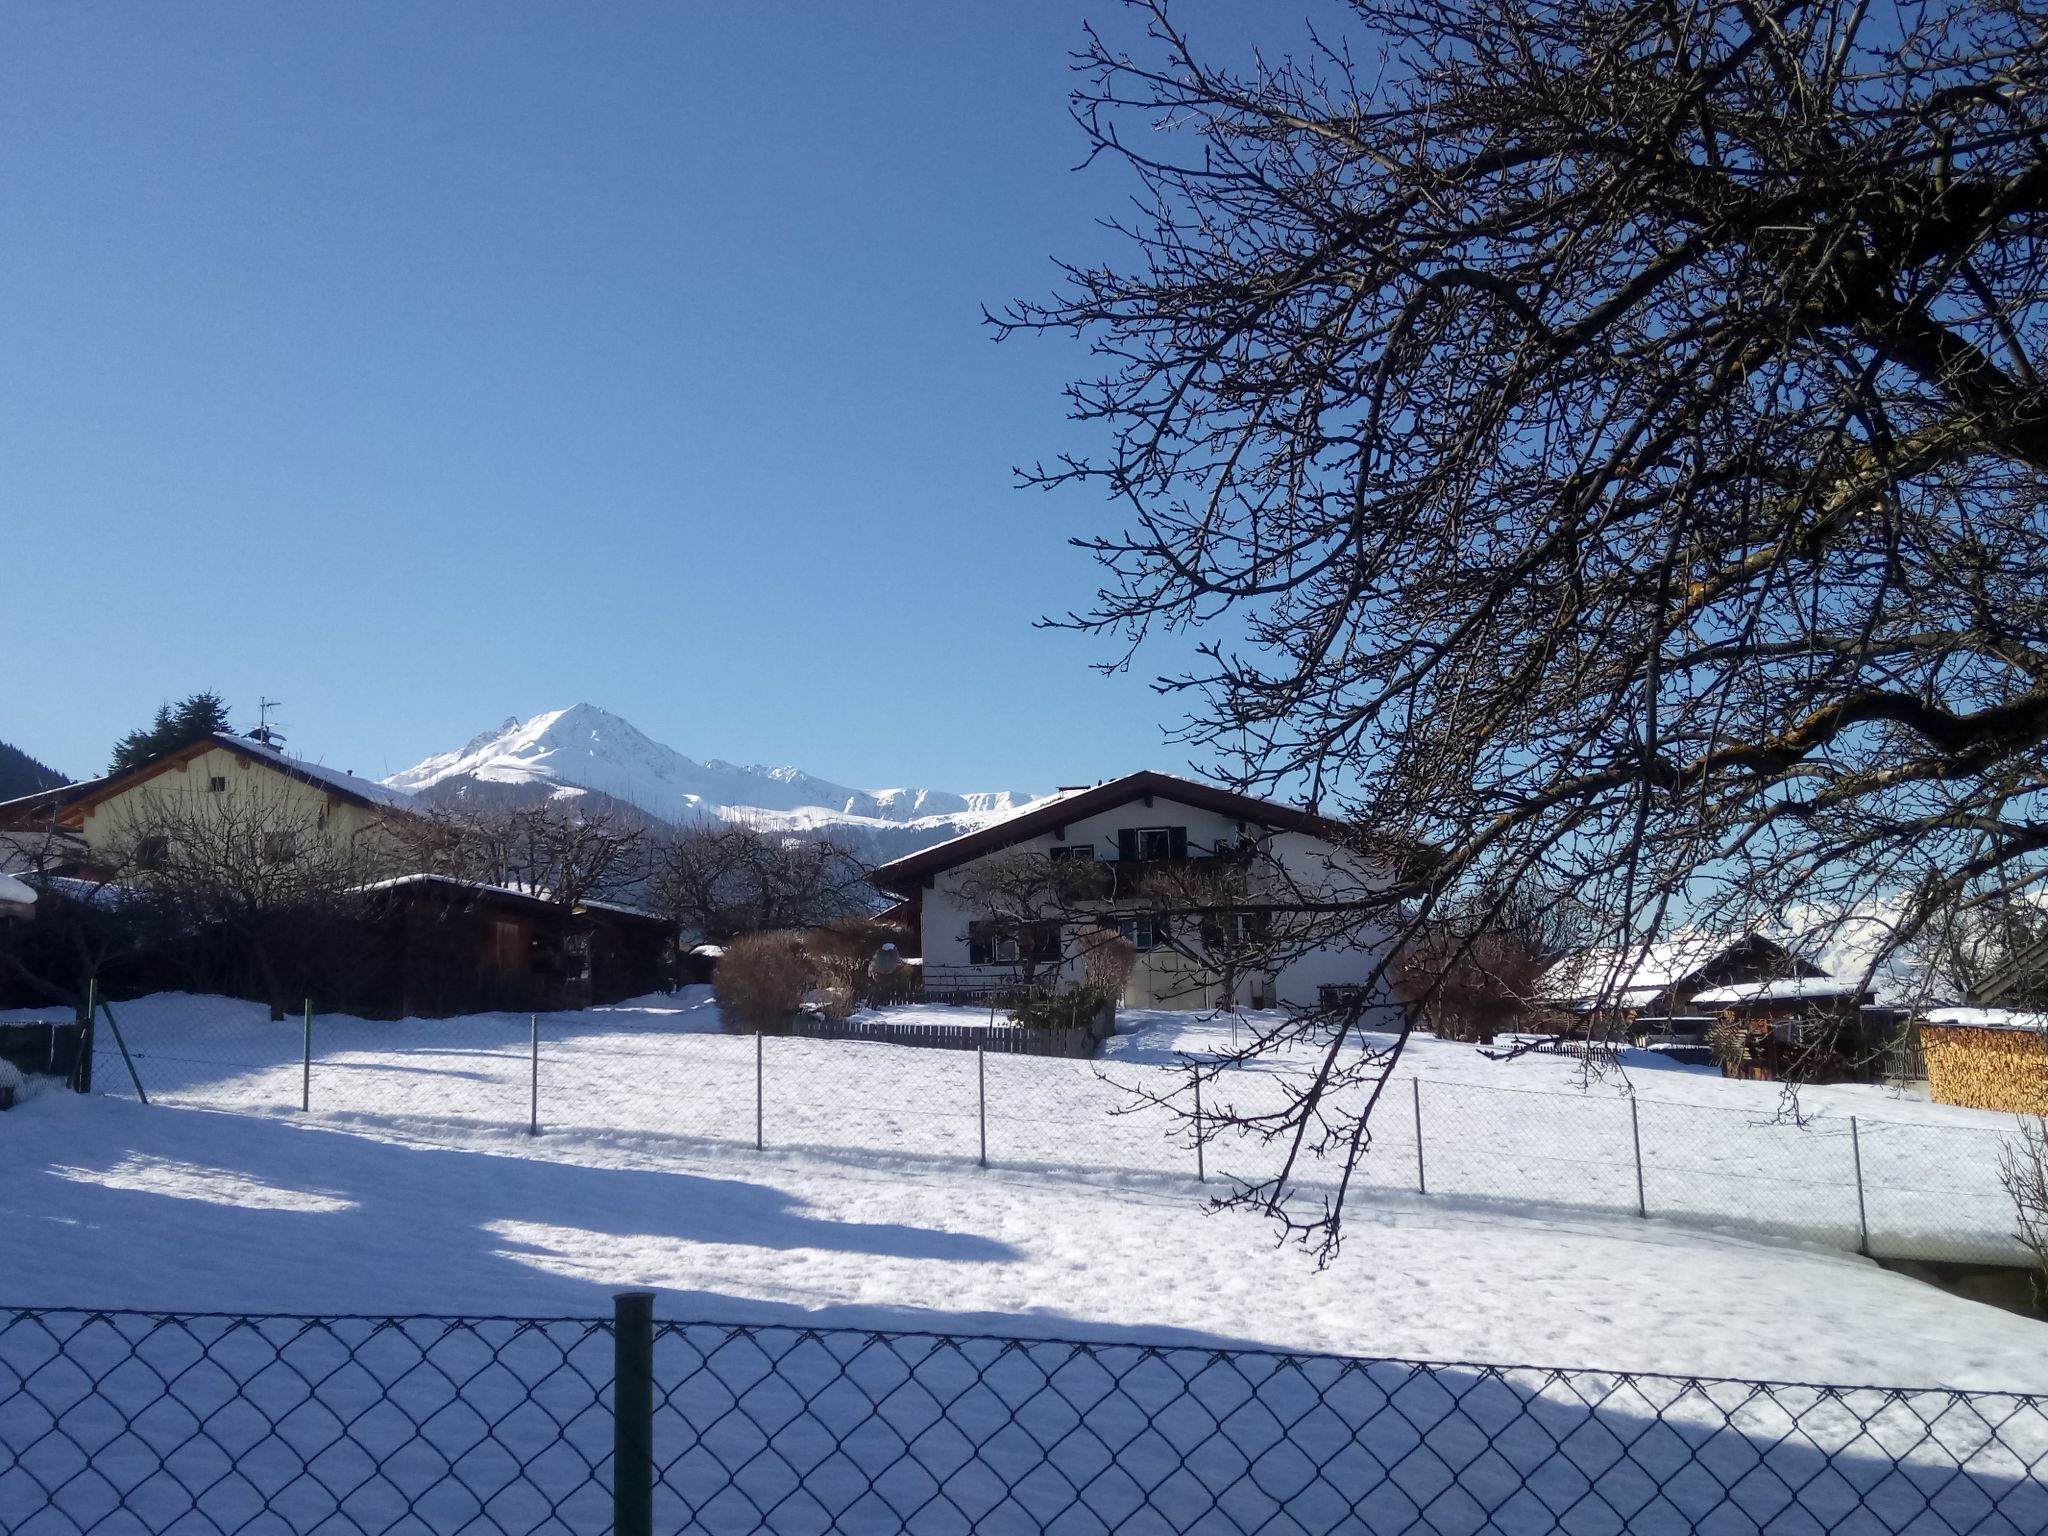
(2002, 1069)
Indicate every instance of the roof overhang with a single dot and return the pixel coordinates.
(903, 876)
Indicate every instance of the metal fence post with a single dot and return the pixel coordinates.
(533, 1102)
(633, 1413)
(306, 1064)
(760, 1076)
(1201, 1171)
(1862, 1215)
(81, 1075)
(1635, 1130)
(1421, 1179)
(114, 1024)
(981, 1092)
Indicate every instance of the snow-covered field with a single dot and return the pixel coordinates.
(1714, 1152)
(412, 1186)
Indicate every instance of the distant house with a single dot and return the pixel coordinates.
(1673, 990)
(418, 943)
(32, 840)
(1658, 987)
(1131, 850)
(113, 816)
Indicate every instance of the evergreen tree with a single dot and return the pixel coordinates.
(174, 726)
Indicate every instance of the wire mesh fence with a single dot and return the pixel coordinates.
(664, 1069)
(129, 1422)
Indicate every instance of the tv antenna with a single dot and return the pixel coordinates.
(265, 732)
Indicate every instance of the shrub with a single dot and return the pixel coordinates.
(1107, 960)
(761, 979)
(1074, 1008)
(840, 954)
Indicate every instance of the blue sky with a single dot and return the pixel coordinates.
(424, 365)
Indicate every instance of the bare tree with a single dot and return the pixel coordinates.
(1016, 900)
(1473, 968)
(1612, 438)
(553, 849)
(264, 870)
(2023, 1170)
(723, 879)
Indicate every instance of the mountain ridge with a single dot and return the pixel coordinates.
(585, 749)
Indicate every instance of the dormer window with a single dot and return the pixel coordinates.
(217, 785)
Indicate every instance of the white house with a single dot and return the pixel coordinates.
(1170, 861)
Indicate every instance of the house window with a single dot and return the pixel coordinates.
(152, 851)
(279, 846)
(217, 785)
(1144, 933)
(1060, 852)
(1232, 930)
(990, 943)
(1152, 843)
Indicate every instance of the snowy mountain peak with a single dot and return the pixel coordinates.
(587, 748)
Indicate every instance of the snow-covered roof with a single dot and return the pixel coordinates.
(515, 892)
(335, 778)
(1785, 989)
(16, 893)
(1986, 1018)
(1630, 975)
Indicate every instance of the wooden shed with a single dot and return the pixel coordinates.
(458, 946)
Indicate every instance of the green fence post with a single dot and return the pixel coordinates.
(114, 1024)
(633, 1413)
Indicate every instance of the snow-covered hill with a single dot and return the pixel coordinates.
(584, 748)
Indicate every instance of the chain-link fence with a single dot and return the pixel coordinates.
(662, 1068)
(131, 1422)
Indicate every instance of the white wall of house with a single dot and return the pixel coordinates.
(1164, 978)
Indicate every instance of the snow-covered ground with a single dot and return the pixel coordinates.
(412, 1186)
(1714, 1152)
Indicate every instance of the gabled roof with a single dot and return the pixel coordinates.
(1786, 989)
(513, 896)
(26, 812)
(1631, 975)
(905, 874)
(344, 786)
